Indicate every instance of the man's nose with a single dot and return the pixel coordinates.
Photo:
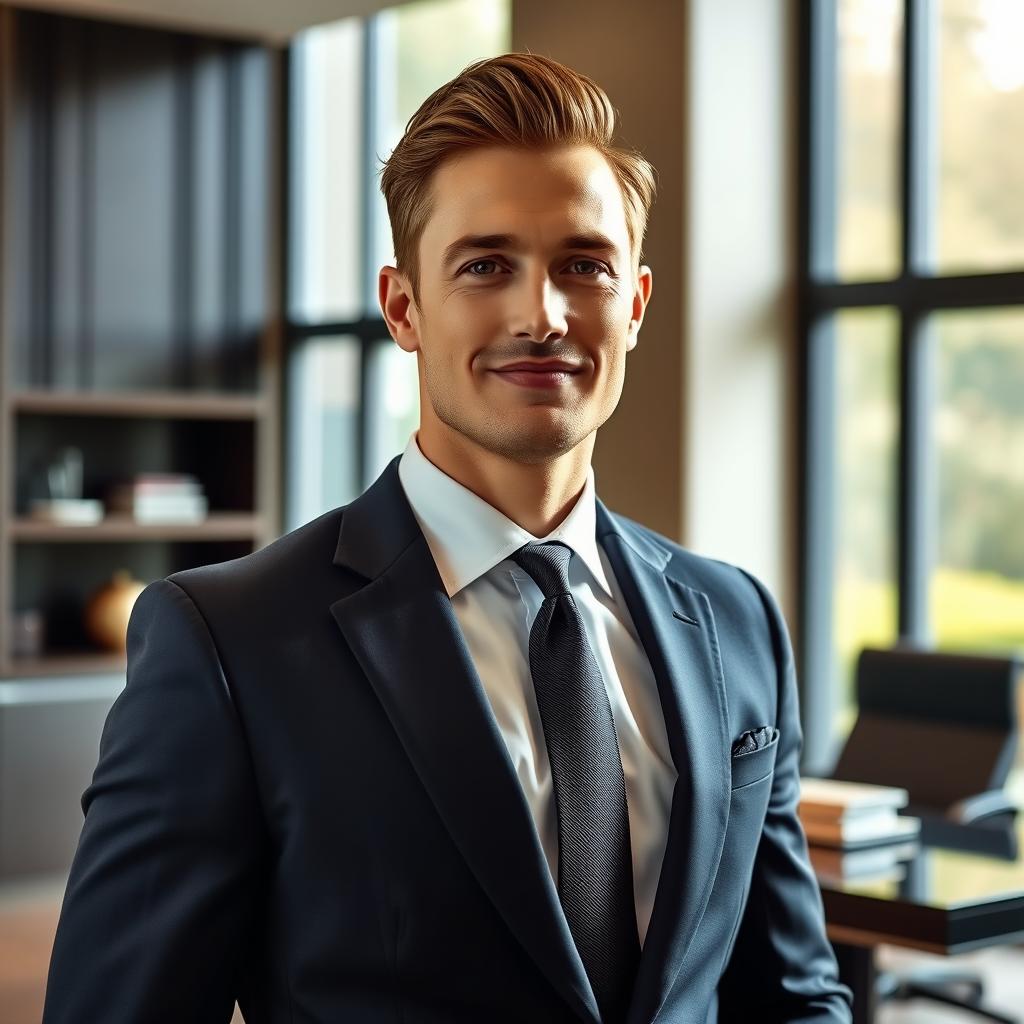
(539, 309)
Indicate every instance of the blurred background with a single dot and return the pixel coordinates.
(828, 389)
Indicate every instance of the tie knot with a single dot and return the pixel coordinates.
(547, 564)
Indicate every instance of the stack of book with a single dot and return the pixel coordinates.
(855, 829)
(159, 498)
(871, 864)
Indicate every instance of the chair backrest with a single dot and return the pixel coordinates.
(942, 726)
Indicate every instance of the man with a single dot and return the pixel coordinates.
(473, 747)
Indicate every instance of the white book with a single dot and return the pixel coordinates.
(158, 516)
(144, 504)
(872, 860)
(867, 830)
(118, 496)
(70, 511)
(177, 510)
(834, 800)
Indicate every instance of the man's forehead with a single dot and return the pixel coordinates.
(559, 194)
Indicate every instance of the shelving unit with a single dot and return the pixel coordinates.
(140, 318)
(55, 566)
(139, 306)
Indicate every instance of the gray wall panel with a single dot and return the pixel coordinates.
(67, 224)
(253, 208)
(133, 193)
(141, 207)
(48, 751)
(209, 240)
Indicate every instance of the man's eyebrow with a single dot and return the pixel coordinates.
(470, 243)
(591, 242)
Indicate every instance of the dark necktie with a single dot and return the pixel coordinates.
(595, 868)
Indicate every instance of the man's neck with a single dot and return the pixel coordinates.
(536, 497)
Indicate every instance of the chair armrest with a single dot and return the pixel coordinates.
(981, 805)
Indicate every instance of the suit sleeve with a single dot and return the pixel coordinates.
(783, 969)
(157, 905)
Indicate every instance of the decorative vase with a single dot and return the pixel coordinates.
(108, 609)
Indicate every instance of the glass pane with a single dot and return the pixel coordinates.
(322, 469)
(867, 428)
(392, 405)
(326, 156)
(869, 82)
(981, 125)
(977, 589)
(418, 47)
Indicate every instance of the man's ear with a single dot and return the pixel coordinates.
(394, 292)
(641, 296)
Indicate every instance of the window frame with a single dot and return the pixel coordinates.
(368, 330)
(914, 295)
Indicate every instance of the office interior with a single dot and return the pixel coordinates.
(828, 388)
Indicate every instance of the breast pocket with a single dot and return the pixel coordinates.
(756, 765)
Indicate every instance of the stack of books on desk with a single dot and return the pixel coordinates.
(854, 829)
(159, 498)
(873, 863)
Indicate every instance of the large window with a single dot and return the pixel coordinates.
(352, 393)
(913, 328)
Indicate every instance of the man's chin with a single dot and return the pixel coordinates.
(530, 436)
(534, 445)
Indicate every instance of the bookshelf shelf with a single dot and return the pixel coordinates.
(140, 403)
(216, 526)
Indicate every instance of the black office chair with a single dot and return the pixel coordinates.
(943, 727)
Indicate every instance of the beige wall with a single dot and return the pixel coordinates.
(638, 58)
(741, 318)
(703, 445)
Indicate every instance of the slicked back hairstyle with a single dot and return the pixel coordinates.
(517, 100)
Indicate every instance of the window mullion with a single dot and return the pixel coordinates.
(368, 143)
(817, 701)
(915, 507)
(819, 117)
(367, 289)
(920, 82)
(822, 138)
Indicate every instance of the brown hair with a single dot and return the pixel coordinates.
(517, 99)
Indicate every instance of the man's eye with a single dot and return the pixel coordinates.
(488, 265)
(593, 265)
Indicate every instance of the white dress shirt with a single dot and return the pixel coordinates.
(495, 602)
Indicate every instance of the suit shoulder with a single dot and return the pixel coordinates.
(744, 608)
(721, 580)
(694, 568)
(280, 568)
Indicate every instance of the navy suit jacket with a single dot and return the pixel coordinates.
(303, 802)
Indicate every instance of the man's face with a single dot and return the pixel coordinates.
(525, 259)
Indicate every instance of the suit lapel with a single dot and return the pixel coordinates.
(405, 636)
(677, 630)
(403, 632)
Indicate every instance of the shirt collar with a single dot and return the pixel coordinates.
(468, 537)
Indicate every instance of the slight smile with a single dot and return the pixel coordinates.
(538, 375)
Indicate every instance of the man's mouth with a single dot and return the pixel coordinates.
(538, 375)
